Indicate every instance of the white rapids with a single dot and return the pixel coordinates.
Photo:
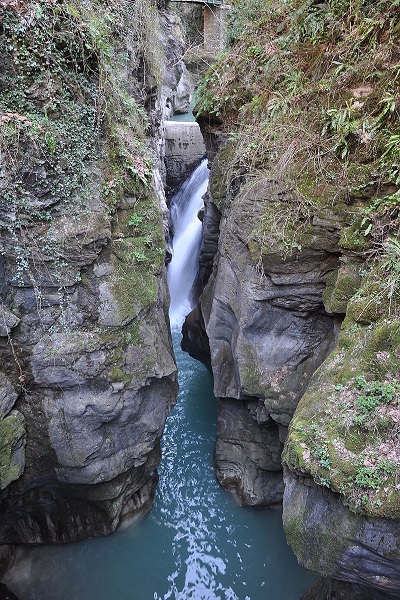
(183, 267)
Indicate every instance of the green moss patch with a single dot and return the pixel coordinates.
(138, 251)
(341, 285)
(344, 432)
(11, 433)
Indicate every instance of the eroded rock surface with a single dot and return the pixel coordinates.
(324, 533)
(87, 375)
(248, 451)
(309, 244)
(333, 589)
(98, 383)
(268, 332)
(178, 85)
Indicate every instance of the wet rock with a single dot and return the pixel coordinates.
(264, 319)
(332, 589)
(209, 245)
(195, 340)
(6, 594)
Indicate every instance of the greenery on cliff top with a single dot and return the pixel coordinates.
(74, 79)
(310, 91)
(308, 96)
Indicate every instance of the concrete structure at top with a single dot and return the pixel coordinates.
(214, 13)
(184, 149)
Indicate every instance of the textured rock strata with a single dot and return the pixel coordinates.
(307, 187)
(177, 85)
(99, 381)
(333, 589)
(248, 452)
(267, 330)
(321, 530)
(87, 374)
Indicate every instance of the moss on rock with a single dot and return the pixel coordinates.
(343, 433)
(341, 285)
(12, 440)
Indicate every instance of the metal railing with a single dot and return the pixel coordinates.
(208, 2)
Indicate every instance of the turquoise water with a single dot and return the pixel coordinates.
(195, 544)
(183, 118)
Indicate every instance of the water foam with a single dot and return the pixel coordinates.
(186, 243)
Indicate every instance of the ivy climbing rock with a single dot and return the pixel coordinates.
(88, 375)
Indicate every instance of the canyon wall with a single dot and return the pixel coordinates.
(297, 316)
(88, 375)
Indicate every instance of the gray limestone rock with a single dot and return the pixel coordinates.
(177, 83)
(183, 94)
(332, 589)
(7, 321)
(330, 539)
(266, 327)
(247, 457)
(6, 594)
(12, 448)
(8, 395)
(87, 374)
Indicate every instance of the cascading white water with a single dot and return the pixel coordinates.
(182, 269)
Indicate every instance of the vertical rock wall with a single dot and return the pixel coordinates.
(267, 332)
(306, 195)
(215, 24)
(88, 375)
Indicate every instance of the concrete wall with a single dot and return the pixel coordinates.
(215, 27)
(184, 149)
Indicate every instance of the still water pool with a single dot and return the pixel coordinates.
(195, 544)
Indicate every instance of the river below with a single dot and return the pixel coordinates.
(195, 544)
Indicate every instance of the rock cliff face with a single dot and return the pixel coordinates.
(87, 368)
(350, 547)
(177, 84)
(334, 589)
(299, 308)
(268, 332)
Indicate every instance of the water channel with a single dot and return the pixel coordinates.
(196, 544)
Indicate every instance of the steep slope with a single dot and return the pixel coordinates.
(87, 369)
(302, 116)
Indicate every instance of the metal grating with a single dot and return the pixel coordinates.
(207, 2)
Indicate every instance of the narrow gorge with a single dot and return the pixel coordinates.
(293, 309)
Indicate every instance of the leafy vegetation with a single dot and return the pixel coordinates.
(66, 104)
(307, 95)
(76, 82)
(370, 395)
(310, 92)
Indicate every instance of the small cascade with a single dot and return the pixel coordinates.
(182, 270)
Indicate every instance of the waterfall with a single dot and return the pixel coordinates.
(186, 243)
